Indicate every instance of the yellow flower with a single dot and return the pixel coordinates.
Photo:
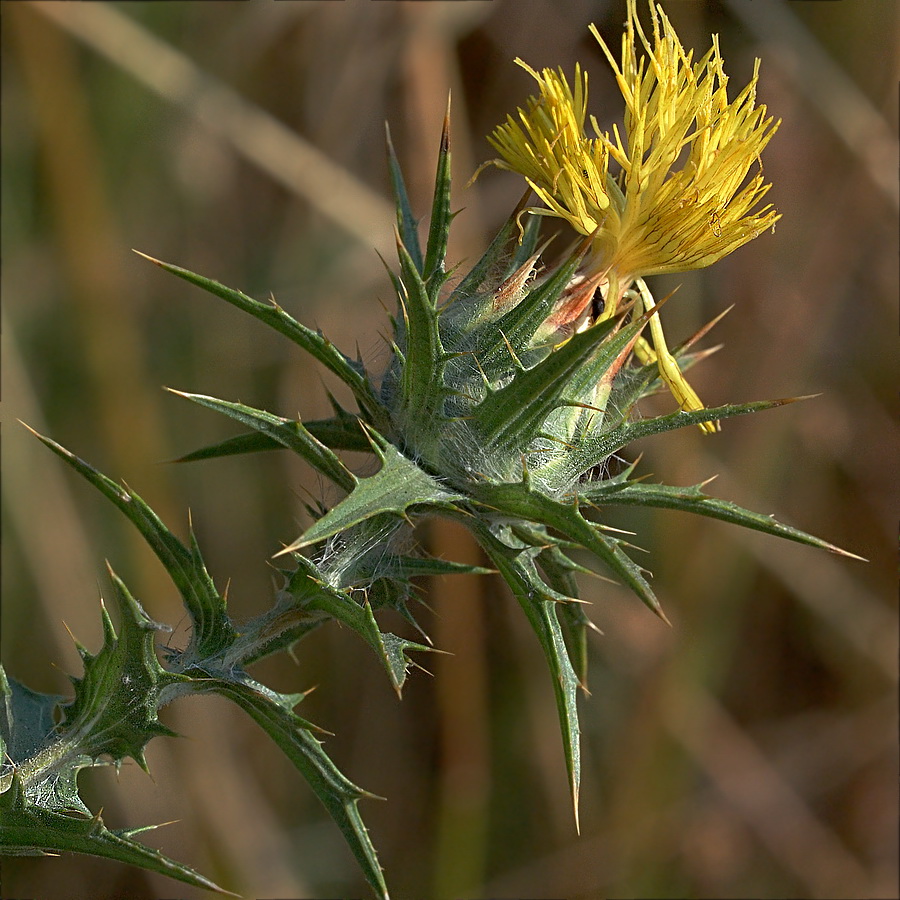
(675, 220)
(567, 170)
(681, 199)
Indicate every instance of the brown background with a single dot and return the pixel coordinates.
(750, 750)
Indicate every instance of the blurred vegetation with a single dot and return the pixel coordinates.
(750, 750)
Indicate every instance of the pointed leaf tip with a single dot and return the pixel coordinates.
(445, 131)
(785, 401)
(832, 548)
(575, 793)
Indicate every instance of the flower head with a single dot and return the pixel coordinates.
(681, 199)
(685, 156)
(566, 169)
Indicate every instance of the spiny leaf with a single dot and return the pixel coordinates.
(27, 829)
(521, 501)
(337, 793)
(529, 237)
(575, 624)
(407, 226)
(283, 640)
(559, 572)
(397, 486)
(337, 433)
(309, 587)
(596, 450)
(540, 606)
(439, 228)
(400, 567)
(252, 442)
(287, 432)
(311, 341)
(114, 710)
(422, 390)
(416, 566)
(521, 323)
(635, 382)
(27, 735)
(27, 720)
(510, 418)
(491, 258)
(212, 628)
(389, 581)
(694, 500)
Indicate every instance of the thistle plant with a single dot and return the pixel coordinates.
(508, 404)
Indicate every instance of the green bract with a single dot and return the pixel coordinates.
(495, 410)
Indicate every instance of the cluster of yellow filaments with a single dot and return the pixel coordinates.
(681, 199)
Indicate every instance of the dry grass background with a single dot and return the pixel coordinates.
(749, 751)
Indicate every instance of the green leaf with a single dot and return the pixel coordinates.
(388, 578)
(634, 382)
(287, 432)
(559, 572)
(491, 258)
(213, 630)
(694, 500)
(291, 734)
(439, 228)
(26, 720)
(397, 486)
(252, 442)
(540, 605)
(508, 419)
(530, 236)
(113, 713)
(596, 450)
(338, 433)
(311, 341)
(416, 566)
(519, 500)
(407, 226)
(115, 704)
(114, 710)
(26, 829)
(283, 640)
(312, 592)
(422, 391)
(520, 324)
(27, 731)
